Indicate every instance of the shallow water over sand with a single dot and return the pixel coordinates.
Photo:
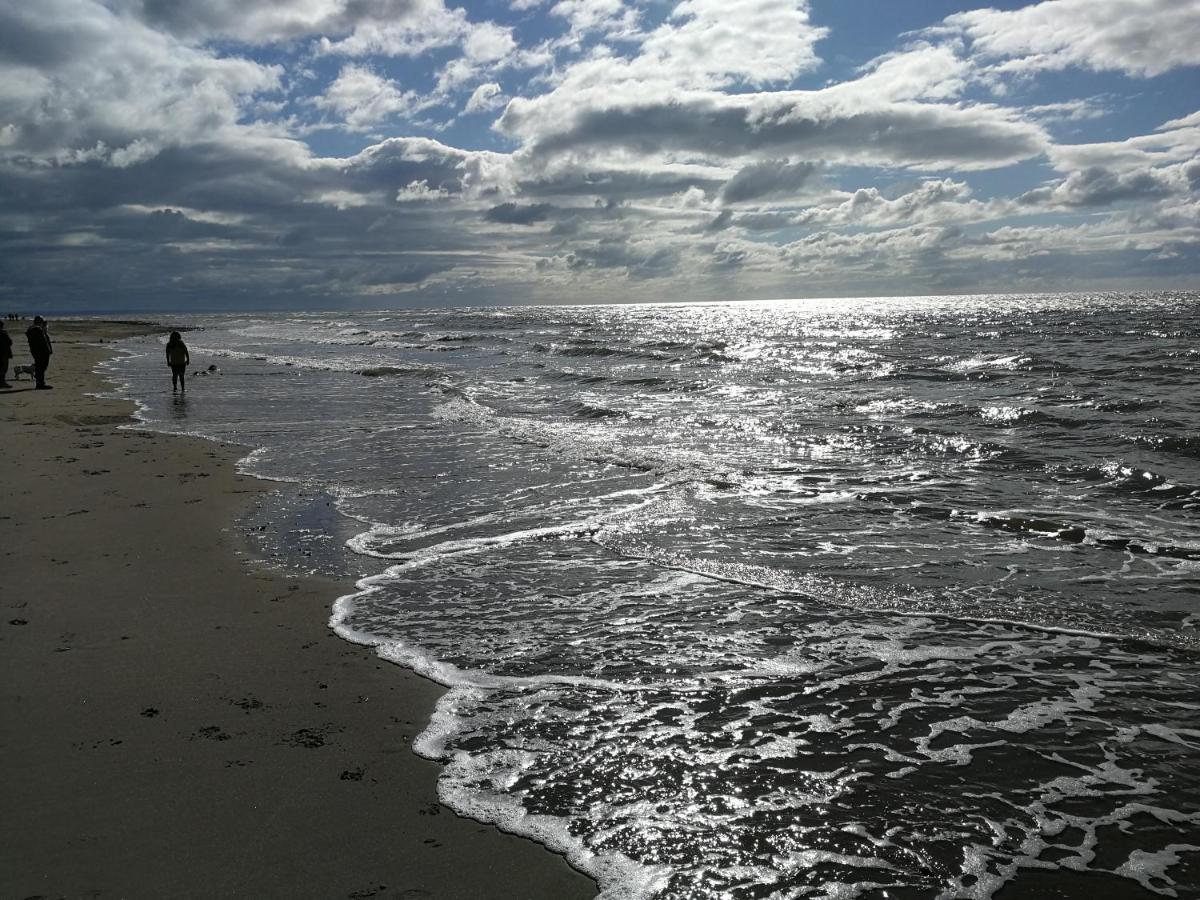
(823, 599)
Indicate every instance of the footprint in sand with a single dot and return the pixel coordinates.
(210, 733)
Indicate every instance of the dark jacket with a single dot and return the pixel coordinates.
(5, 345)
(39, 342)
(177, 353)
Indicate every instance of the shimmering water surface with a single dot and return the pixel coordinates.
(887, 598)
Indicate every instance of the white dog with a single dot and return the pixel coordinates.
(18, 371)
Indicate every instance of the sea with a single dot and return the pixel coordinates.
(854, 598)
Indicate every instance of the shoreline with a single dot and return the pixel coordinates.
(179, 722)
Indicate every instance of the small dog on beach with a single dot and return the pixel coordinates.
(18, 371)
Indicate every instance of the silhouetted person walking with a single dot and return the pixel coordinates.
(41, 348)
(5, 356)
(178, 359)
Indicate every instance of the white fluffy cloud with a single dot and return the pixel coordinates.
(362, 98)
(703, 145)
(610, 16)
(924, 72)
(77, 78)
(430, 27)
(932, 202)
(716, 42)
(671, 101)
(1172, 142)
(485, 98)
(1142, 38)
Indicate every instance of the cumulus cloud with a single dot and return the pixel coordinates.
(616, 184)
(1172, 142)
(765, 179)
(636, 258)
(420, 192)
(811, 124)
(398, 162)
(922, 72)
(716, 42)
(1143, 39)
(593, 15)
(362, 98)
(517, 214)
(488, 42)
(1096, 186)
(268, 21)
(943, 201)
(932, 201)
(414, 28)
(643, 151)
(670, 100)
(76, 78)
(485, 98)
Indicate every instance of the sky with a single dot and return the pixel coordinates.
(325, 154)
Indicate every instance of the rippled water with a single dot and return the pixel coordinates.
(888, 598)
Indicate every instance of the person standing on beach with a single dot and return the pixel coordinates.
(5, 356)
(41, 348)
(178, 359)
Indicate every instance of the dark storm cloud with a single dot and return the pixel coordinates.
(193, 217)
(218, 178)
(638, 261)
(628, 184)
(516, 214)
(28, 38)
(1097, 187)
(727, 260)
(398, 162)
(795, 123)
(156, 152)
(206, 176)
(1192, 172)
(396, 273)
(769, 178)
(720, 222)
(761, 221)
(265, 20)
(161, 225)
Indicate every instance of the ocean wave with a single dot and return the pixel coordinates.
(1083, 534)
(1015, 611)
(587, 410)
(1009, 416)
(392, 371)
(318, 363)
(604, 351)
(649, 382)
(588, 445)
(1177, 444)
(1132, 479)
(832, 595)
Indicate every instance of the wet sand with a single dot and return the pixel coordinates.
(177, 721)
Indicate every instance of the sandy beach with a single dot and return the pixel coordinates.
(178, 721)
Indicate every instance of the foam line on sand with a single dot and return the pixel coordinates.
(177, 721)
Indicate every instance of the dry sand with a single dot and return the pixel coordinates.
(178, 722)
